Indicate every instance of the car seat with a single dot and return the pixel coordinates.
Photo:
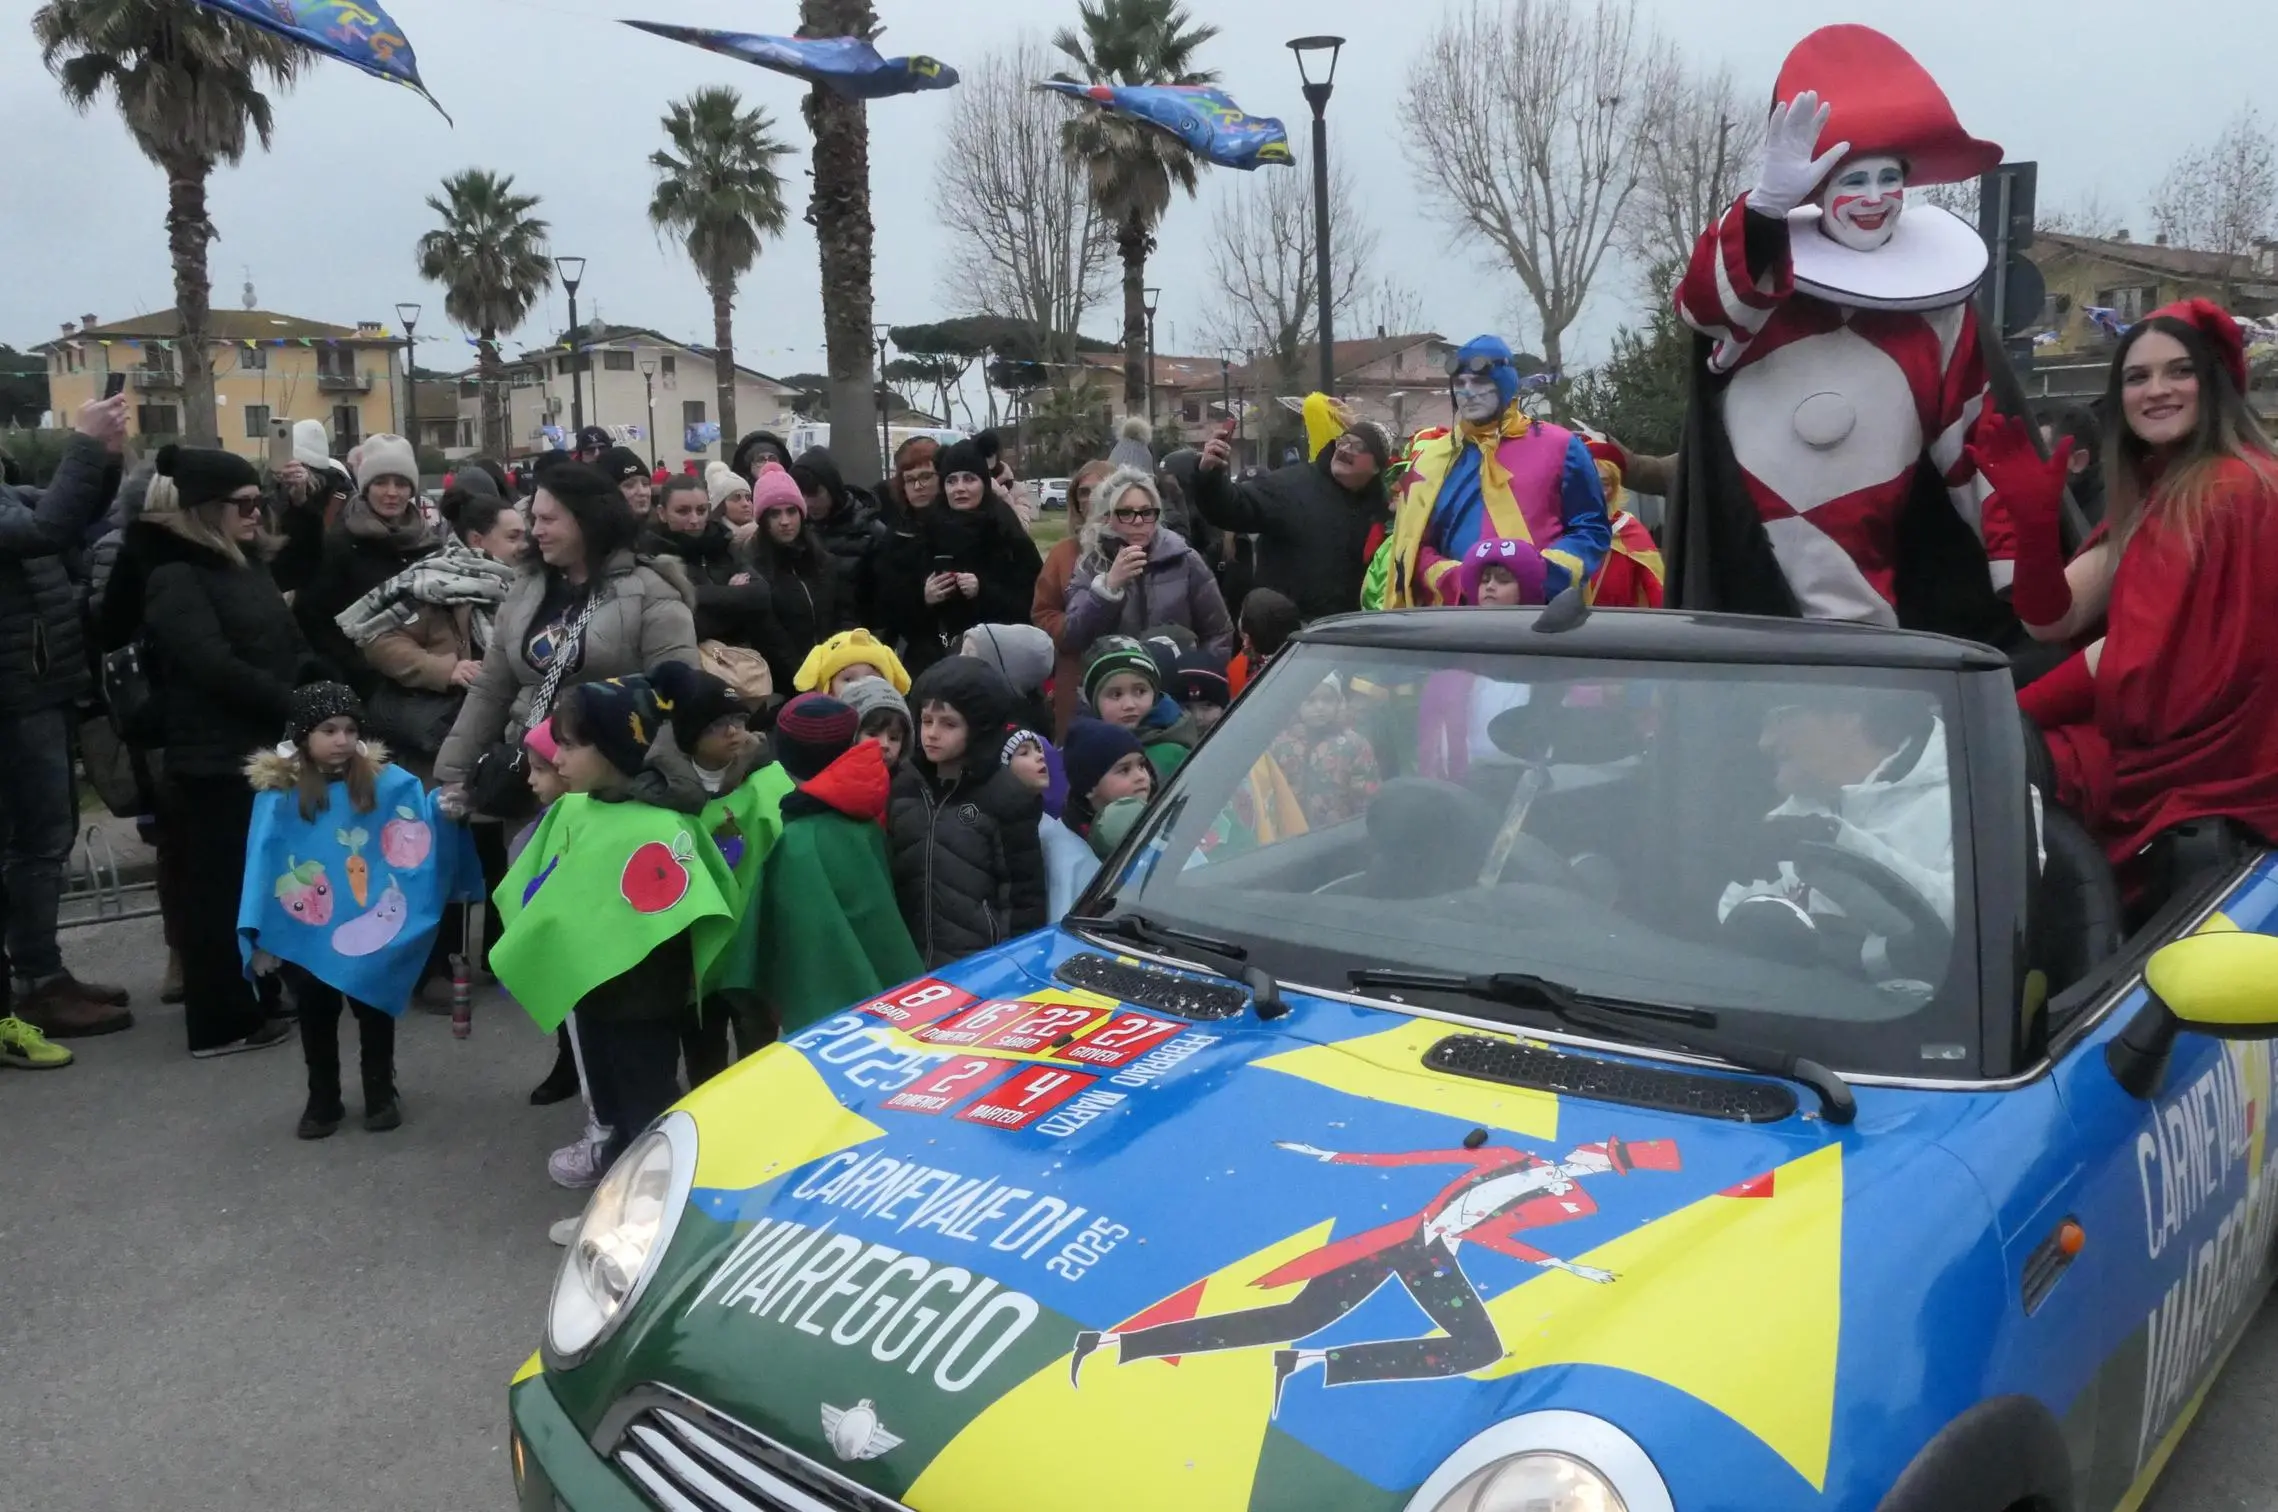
(2078, 918)
(1426, 836)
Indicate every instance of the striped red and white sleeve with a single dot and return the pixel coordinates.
(1964, 400)
(1720, 296)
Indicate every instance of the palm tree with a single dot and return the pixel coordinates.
(490, 257)
(187, 81)
(840, 213)
(1133, 167)
(720, 195)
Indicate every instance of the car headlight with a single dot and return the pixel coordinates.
(626, 1227)
(1553, 1460)
(1540, 1482)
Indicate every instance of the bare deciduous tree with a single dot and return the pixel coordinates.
(1526, 119)
(1026, 239)
(1263, 260)
(2223, 197)
(1389, 307)
(1699, 154)
(2088, 216)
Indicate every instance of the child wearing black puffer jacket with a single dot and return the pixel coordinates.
(968, 866)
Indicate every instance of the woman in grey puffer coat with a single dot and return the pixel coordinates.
(635, 612)
(1134, 574)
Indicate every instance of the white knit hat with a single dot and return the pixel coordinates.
(312, 448)
(385, 456)
(723, 483)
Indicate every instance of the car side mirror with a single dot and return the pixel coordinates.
(2222, 983)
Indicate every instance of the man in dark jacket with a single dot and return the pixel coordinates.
(847, 519)
(1312, 519)
(43, 675)
(968, 865)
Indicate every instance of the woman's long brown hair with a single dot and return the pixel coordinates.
(362, 774)
(2183, 486)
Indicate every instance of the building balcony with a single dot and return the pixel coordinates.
(156, 378)
(344, 383)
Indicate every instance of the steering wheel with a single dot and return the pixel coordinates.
(1929, 942)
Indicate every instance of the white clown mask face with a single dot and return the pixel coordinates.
(1477, 400)
(1861, 204)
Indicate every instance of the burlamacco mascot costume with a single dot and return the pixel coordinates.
(1497, 476)
(1838, 375)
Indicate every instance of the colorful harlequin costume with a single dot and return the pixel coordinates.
(1841, 378)
(1630, 576)
(1506, 478)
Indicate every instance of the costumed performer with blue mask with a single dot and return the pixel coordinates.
(1499, 475)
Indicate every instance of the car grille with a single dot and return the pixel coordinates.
(683, 1457)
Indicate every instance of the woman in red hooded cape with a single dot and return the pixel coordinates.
(2172, 715)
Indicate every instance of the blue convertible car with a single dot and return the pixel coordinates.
(1522, 1063)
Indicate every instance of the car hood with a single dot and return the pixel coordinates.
(908, 1221)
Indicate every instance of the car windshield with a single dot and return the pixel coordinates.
(1778, 845)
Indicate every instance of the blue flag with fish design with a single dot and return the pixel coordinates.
(361, 35)
(1207, 120)
(843, 65)
(354, 899)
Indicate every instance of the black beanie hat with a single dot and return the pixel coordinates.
(962, 457)
(314, 703)
(692, 700)
(620, 718)
(204, 476)
(812, 731)
(622, 462)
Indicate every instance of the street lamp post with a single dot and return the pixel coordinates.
(1226, 385)
(1154, 298)
(409, 315)
(573, 273)
(1317, 96)
(649, 382)
(885, 411)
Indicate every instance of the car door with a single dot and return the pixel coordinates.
(2176, 1202)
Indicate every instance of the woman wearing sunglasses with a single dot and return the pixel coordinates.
(228, 654)
(1134, 573)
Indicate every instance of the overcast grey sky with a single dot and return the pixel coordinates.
(558, 94)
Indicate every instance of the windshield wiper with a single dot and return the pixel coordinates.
(1622, 1016)
(1141, 930)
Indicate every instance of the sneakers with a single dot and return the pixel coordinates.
(274, 1032)
(22, 1044)
(564, 1231)
(578, 1166)
(60, 1009)
(388, 1115)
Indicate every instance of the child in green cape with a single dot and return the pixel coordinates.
(616, 909)
(829, 931)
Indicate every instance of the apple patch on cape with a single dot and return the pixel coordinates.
(656, 875)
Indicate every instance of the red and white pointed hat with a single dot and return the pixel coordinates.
(1884, 102)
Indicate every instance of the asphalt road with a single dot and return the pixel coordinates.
(198, 1311)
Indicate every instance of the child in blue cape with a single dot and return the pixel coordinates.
(348, 869)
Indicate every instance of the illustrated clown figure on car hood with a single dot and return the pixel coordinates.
(1498, 475)
(1840, 373)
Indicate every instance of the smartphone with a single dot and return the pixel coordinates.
(280, 443)
(1226, 430)
(115, 384)
(944, 566)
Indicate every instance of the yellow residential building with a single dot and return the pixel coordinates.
(267, 367)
